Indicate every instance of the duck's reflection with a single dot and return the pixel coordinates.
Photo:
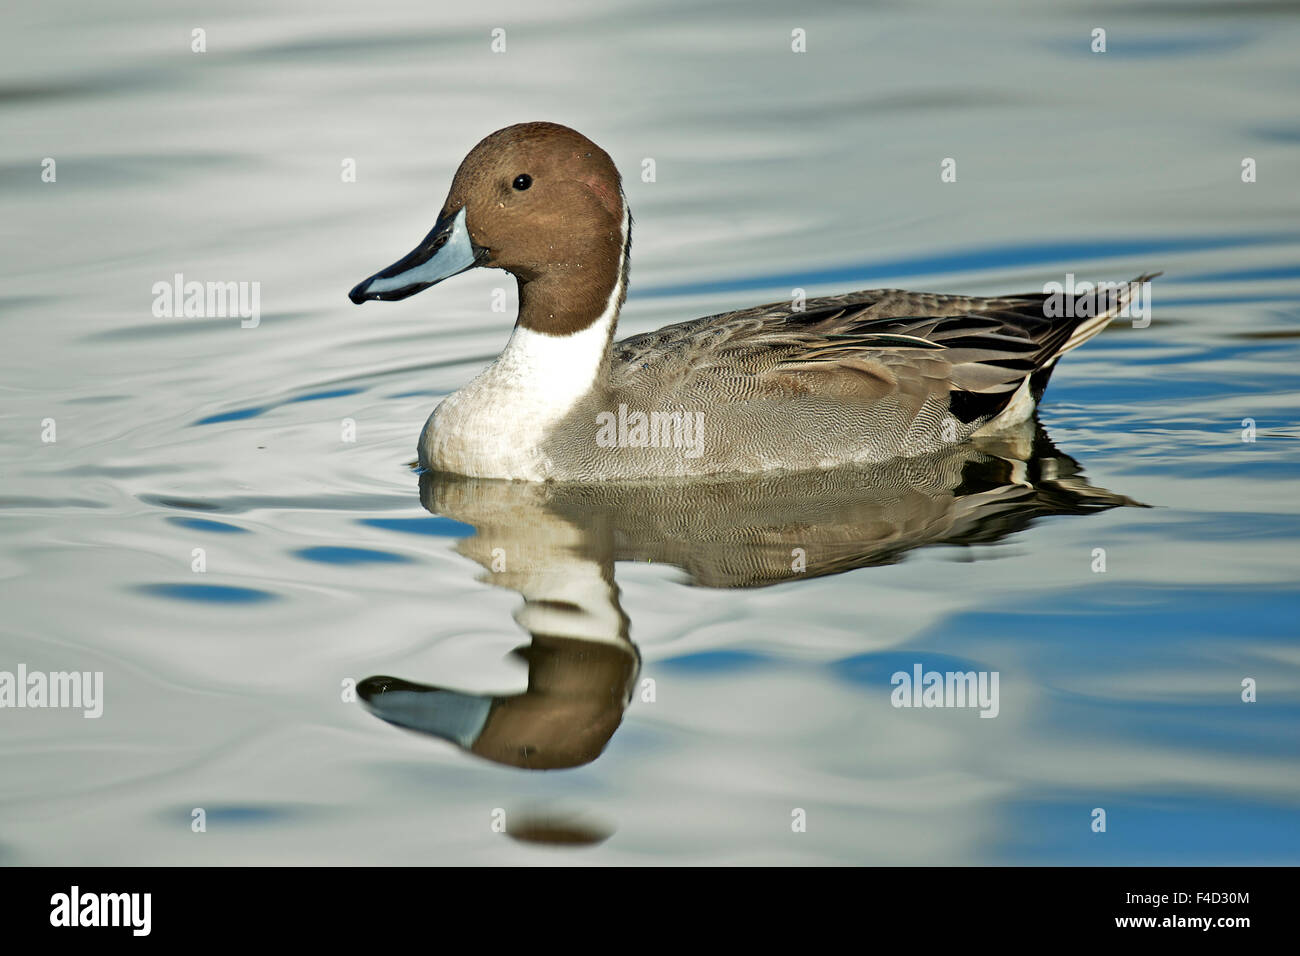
(557, 545)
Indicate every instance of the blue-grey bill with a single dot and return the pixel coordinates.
(446, 251)
(448, 714)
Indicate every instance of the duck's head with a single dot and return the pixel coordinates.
(539, 200)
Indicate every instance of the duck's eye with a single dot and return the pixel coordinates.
(522, 182)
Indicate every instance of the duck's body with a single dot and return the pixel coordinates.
(759, 390)
(862, 377)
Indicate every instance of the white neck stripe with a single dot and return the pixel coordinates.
(560, 369)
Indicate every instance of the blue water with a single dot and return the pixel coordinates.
(261, 591)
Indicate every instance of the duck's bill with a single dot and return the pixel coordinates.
(446, 251)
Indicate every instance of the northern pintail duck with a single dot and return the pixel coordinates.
(861, 377)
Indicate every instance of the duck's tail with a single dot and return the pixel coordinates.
(1118, 300)
(1097, 306)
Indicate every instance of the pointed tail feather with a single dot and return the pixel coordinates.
(1086, 330)
(1091, 326)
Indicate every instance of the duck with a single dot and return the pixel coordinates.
(800, 385)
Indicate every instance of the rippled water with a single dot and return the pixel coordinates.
(754, 689)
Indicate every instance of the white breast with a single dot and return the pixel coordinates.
(495, 425)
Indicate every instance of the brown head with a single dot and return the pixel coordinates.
(544, 203)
